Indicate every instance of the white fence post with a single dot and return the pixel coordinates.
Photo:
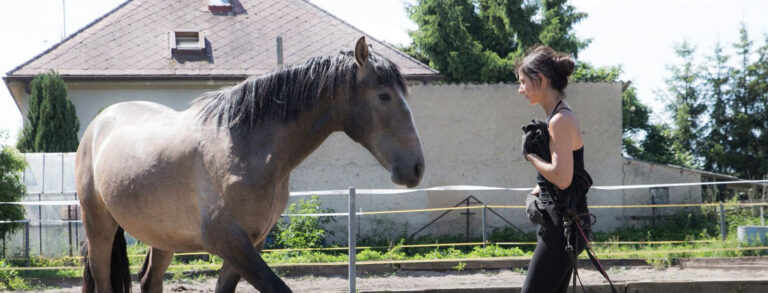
(352, 239)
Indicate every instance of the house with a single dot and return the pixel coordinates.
(171, 51)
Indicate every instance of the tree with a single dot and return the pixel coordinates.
(634, 118)
(731, 138)
(481, 40)
(12, 163)
(715, 95)
(684, 104)
(658, 146)
(52, 123)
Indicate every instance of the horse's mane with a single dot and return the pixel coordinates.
(283, 94)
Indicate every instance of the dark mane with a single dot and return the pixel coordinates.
(283, 94)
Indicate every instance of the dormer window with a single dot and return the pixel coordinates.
(219, 6)
(187, 41)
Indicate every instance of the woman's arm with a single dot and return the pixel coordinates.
(560, 170)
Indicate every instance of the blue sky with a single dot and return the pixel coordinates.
(639, 34)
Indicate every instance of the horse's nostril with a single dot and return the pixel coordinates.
(418, 169)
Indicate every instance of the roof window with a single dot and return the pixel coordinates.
(187, 41)
(219, 6)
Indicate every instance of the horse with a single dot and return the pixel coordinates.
(215, 177)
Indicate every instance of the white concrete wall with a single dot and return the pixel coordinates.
(471, 136)
(640, 172)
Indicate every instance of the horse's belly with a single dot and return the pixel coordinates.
(168, 226)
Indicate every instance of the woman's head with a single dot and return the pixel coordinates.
(544, 64)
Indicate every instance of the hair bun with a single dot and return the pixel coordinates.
(564, 64)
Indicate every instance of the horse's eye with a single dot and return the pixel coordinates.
(385, 97)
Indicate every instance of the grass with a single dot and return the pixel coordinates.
(686, 225)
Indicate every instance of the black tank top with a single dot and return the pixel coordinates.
(579, 172)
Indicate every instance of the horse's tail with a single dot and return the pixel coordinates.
(120, 275)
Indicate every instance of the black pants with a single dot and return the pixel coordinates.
(550, 268)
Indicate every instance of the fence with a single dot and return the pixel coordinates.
(353, 213)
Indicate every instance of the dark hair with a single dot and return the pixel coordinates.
(283, 94)
(542, 59)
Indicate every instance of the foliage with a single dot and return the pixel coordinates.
(690, 224)
(719, 109)
(12, 189)
(460, 266)
(685, 105)
(52, 123)
(480, 40)
(10, 279)
(303, 232)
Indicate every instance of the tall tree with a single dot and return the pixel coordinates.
(52, 123)
(760, 88)
(11, 187)
(480, 40)
(715, 95)
(684, 104)
(744, 112)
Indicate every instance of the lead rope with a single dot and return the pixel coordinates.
(592, 257)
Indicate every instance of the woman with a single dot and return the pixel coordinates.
(556, 150)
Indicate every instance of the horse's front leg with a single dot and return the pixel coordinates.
(231, 243)
(228, 278)
(151, 273)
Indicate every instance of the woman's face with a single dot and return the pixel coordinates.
(530, 90)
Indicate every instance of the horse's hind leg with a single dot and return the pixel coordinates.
(151, 274)
(232, 244)
(228, 278)
(100, 229)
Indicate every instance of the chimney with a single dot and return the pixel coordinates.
(279, 42)
(219, 6)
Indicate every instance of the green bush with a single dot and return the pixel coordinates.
(10, 280)
(12, 189)
(303, 232)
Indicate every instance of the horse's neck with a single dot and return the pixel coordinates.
(286, 145)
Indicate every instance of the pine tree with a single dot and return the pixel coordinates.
(743, 118)
(684, 87)
(52, 123)
(714, 148)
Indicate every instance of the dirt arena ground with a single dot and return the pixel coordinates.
(475, 279)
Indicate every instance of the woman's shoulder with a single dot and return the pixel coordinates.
(563, 119)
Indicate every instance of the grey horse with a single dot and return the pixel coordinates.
(214, 177)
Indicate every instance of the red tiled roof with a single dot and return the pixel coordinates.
(132, 41)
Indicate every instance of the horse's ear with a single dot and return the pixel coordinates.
(361, 51)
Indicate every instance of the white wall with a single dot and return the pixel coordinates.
(471, 136)
(640, 172)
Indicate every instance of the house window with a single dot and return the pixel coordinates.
(659, 195)
(188, 41)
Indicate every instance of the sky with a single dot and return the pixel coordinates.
(639, 35)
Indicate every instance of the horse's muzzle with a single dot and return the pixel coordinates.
(408, 174)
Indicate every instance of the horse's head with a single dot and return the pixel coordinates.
(379, 118)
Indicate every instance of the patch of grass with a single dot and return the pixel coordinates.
(459, 267)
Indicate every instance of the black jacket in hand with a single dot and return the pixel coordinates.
(536, 139)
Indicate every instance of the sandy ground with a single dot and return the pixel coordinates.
(475, 279)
